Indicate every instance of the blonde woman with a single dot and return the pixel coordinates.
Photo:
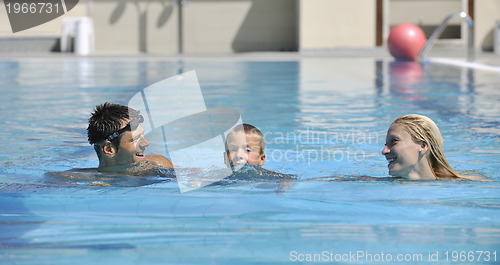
(414, 150)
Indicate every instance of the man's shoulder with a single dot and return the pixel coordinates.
(160, 160)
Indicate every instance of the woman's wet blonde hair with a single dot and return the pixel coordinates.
(423, 129)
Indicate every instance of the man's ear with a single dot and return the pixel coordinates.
(262, 159)
(108, 149)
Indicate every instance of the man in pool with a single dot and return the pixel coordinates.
(116, 133)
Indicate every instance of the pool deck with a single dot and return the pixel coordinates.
(459, 54)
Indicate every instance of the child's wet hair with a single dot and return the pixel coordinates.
(250, 129)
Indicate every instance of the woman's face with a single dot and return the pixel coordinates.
(404, 155)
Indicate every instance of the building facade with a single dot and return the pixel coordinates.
(231, 26)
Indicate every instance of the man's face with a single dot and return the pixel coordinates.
(244, 148)
(132, 146)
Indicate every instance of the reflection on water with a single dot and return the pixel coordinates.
(90, 177)
(405, 78)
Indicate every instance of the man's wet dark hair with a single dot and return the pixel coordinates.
(107, 119)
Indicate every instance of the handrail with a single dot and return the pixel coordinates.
(437, 32)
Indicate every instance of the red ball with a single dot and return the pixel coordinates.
(405, 41)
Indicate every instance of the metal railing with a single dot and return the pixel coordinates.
(435, 35)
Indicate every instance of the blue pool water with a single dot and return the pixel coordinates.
(321, 117)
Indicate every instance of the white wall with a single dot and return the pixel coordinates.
(423, 12)
(225, 26)
(487, 12)
(327, 24)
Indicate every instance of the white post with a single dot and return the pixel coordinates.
(385, 22)
(84, 36)
(463, 26)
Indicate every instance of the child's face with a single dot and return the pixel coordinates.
(244, 148)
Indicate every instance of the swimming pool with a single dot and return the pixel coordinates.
(320, 116)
